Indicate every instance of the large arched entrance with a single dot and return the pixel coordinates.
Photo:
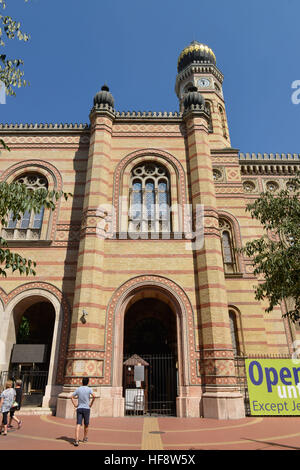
(181, 341)
(150, 358)
(32, 334)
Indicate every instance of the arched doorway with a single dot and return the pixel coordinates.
(33, 319)
(156, 287)
(150, 358)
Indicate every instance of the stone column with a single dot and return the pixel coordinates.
(221, 398)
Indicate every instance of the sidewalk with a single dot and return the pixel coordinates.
(161, 434)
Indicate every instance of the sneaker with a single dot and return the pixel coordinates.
(76, 443)
(85, 439)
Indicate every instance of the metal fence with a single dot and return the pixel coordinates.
(156, 394)
(240, 370)
(33, 384)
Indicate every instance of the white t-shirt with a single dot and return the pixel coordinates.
(8, 395)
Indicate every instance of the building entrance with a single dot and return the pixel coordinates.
(150, 359)
(30, 356)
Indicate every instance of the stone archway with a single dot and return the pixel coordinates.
(149, 286)
(31, 332)
(14, 306)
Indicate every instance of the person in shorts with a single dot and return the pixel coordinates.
(7, 399)
(83, 408)
(16, 405)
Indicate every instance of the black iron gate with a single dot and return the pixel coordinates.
(33, 384)
(156, 394)
(240, 369)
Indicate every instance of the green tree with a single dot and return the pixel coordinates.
(24, 331)
(276, 255)
(11, 73)
(16, 198)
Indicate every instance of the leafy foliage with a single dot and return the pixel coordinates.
(276, 255)
(24, 331)
(10, 72)
(16, 199)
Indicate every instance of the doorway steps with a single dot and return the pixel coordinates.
(37, 410)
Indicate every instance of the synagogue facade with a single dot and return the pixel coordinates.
(139, 283)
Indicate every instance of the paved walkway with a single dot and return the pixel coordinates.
(52, 433)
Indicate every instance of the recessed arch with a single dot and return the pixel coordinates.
(122, 182)
(170, 293)
(43, 292)
(26, 166)
(54, 182)
(236, 329)
(237, 238)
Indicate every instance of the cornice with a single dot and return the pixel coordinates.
(269, 157)
(270, 164)
(226, 150)
(151, 116)
(43, 127)
(119, 117)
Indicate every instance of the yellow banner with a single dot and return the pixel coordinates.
(274, 386)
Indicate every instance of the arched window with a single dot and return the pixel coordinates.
(223, 121)
(234, 332)
(149, 199)
(210, 123)
(30, 225)
(228, 251)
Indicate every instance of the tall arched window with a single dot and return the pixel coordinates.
(30, 225)
(234, 332)
(149, 199)
(228, 251)
(222, 114)
(210, 123)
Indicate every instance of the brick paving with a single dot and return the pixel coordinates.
(160, 434)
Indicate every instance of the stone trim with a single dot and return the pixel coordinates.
(185, 318)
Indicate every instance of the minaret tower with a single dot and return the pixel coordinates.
(197, 67)
(220, 396)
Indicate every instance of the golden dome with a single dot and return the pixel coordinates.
(195, 52)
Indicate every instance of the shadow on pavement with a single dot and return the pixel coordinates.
(68, 439)
(274, 444)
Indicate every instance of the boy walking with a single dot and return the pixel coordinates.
(83, 408)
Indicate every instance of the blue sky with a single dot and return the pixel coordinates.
(133, 46)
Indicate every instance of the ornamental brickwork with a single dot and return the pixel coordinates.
(92, 270)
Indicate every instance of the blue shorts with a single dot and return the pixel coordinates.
(83, 413)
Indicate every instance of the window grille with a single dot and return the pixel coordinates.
(227, 241)
(30, 225)
(233, 332)
(149, 199)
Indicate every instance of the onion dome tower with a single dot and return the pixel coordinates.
(197, 68)
(196, 53)
(193, 98)
(104, 98)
